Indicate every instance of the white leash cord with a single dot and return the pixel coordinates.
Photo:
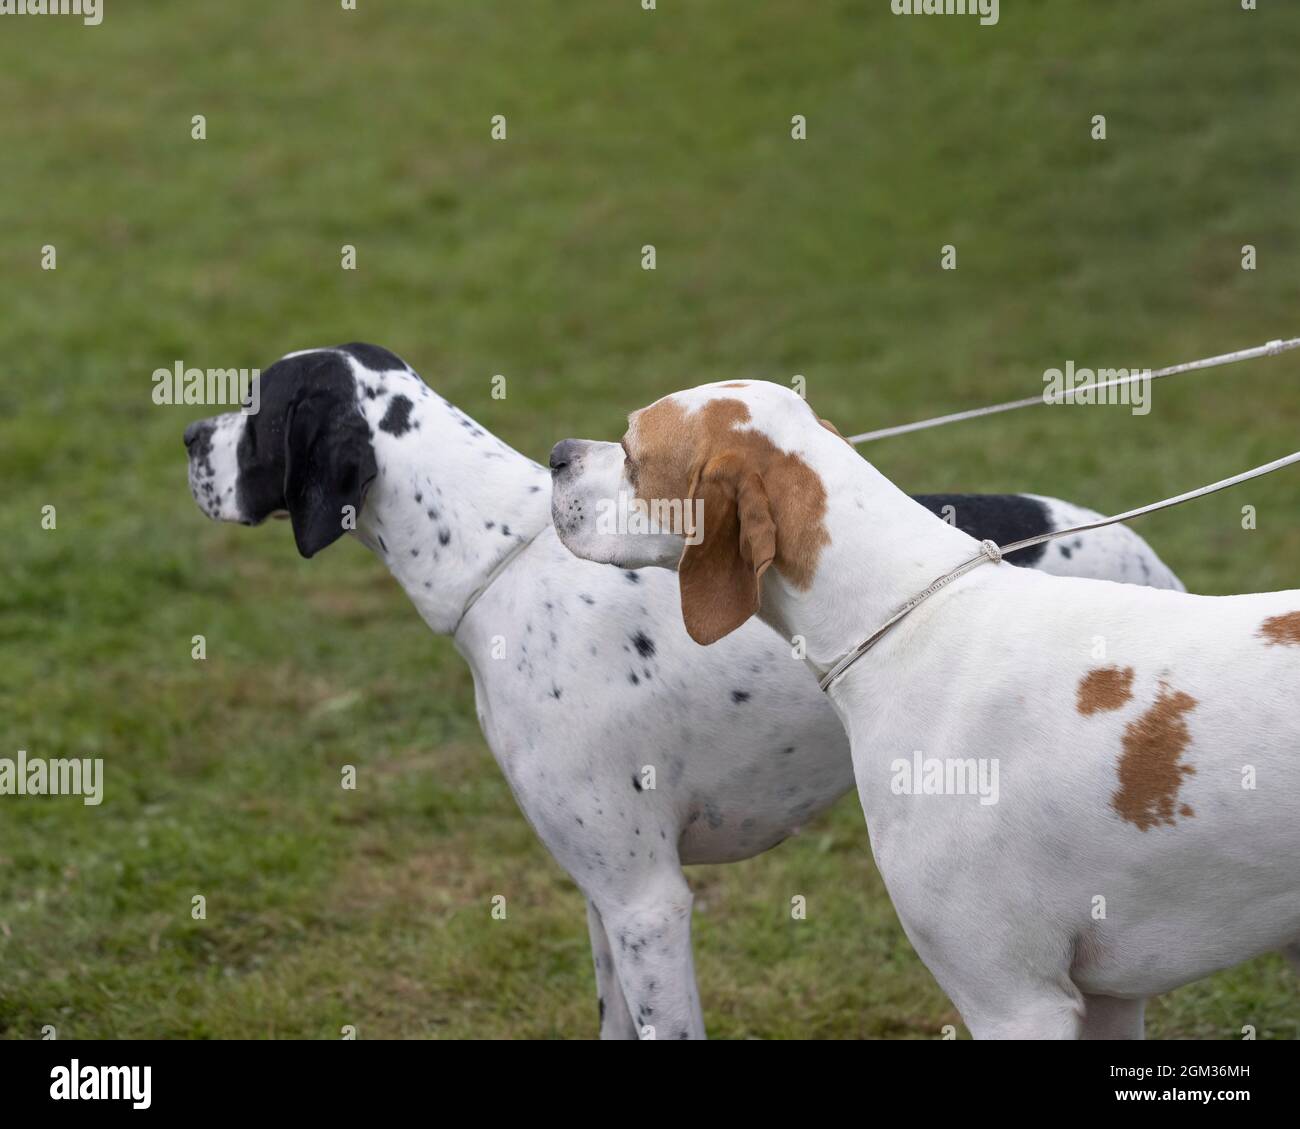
(1213, 488)
(991, 551)
(1269, 350)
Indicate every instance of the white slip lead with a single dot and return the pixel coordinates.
(991, 551)
(1272, 349)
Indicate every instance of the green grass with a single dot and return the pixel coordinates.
(522, 257)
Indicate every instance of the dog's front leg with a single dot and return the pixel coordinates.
(650, 938)
(615, 1019)
(1032, 998)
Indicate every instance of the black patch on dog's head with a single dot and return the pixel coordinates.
(374, 356)
(307, 450)
(996, 517)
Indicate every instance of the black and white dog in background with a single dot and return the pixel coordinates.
(631, 750)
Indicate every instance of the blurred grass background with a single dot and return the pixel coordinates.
(522, 257)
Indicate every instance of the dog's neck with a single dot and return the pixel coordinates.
(450, 501)
(884, 549)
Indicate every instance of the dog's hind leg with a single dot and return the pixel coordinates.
(1106, 1017)
(650, 937)
(615, 1019)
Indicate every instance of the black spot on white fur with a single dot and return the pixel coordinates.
(397, 419)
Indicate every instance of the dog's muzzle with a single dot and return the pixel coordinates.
(564, 455)
(199, 429)
(212, 447)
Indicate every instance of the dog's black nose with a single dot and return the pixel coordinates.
(562, 454)
(197, 428)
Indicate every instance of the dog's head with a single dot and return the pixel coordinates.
(713, 482)
(306, 452)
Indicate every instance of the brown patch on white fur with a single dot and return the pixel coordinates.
(1106, 688)
(761, 506)
(1282, 629)
(660, 450)
(670, 448)
(1149, 770)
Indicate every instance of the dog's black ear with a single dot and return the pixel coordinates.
(328, 466)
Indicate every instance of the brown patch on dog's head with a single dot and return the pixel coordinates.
(1282, 629)
(761, 506)
(1149, 770)
(660, 447)
(1106, 688)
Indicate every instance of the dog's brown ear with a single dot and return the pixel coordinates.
(720, 575)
